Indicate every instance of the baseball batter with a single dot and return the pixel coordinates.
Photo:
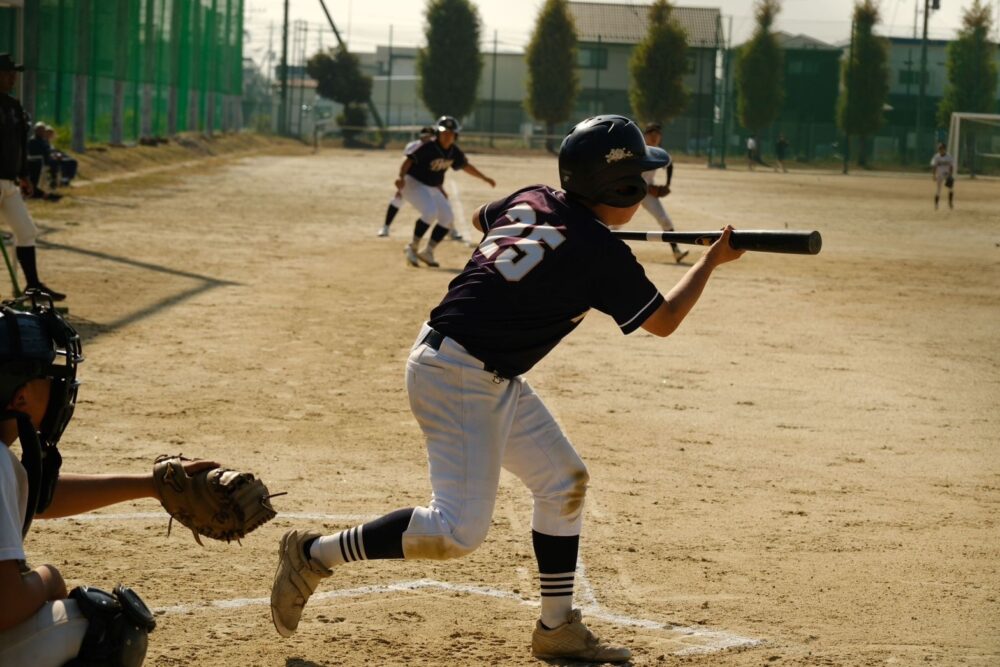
(546, 260)
(426, 134)
(41, 623)
(651, 202)
(943, 173)
(421, 181)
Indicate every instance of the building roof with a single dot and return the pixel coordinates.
(788, 41)
(627, 23)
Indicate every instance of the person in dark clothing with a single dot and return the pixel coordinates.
(14, 180)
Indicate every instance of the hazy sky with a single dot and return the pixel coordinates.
(365, 23)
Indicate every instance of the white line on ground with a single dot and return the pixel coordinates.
(715, 640)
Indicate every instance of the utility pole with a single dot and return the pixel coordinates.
(388, 86)
(923, 81)
(283, 107)
(597, 77)
(847, 96)
(493, 98)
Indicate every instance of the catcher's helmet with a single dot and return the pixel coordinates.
(602, 158)
(31, 345)
(448, 123)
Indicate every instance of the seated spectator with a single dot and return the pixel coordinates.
(39, 152)
(62, 166)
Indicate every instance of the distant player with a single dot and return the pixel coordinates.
(547, 260)
(426, 134)
(780, 152)
(751, 152)
(943, 173)
(421, 181)
(651, 202)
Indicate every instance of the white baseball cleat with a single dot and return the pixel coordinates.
(573, 640)
(679, 255)
(455, 235)
(427, 257)
(295, 580)
(411, 256)
(382, 233)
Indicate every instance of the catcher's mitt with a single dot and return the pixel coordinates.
(949, 182)
(219, 503)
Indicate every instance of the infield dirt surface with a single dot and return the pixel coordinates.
(807, 469)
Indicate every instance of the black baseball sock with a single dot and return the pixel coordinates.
(376, 540)
(390, 213)
(556, 558)
(26, 258)
(419, 229)
(437, 234)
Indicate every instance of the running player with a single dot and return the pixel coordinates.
(651, 202)
(546, 260)
(943, 173)
(421, 180)
(426, 134)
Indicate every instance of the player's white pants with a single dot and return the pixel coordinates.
(397, 200)
(475, 426)
(431, 202)
(654, 207)
(50, 638)
(15, 214)
(939, 180)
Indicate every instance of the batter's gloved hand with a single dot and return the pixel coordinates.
(215, 502)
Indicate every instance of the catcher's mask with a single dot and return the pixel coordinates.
(36, 342)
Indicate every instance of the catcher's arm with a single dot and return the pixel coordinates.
(77, 493)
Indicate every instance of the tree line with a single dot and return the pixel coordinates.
(450, 64)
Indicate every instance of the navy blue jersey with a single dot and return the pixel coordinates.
(544, 261)
(430, 162)
(13, 139)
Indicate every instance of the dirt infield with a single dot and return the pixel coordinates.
(806, 473)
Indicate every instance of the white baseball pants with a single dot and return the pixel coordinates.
(15, 214)
(50, 638)
(434, 207)
(654, 207)
(476, 424)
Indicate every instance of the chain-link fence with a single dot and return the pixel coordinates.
(121, 70)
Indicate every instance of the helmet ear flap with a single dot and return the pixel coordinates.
(624, 192)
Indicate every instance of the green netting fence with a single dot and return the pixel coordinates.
(120, 70)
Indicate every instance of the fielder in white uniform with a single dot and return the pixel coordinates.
(651, 202)
(943, 173)
(421, 181)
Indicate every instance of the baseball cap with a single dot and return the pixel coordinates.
(7, 63)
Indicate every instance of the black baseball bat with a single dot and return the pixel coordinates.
(760, 240)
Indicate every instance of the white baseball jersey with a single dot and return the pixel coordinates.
(944, 165)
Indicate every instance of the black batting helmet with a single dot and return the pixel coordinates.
(448, 123)
(602, 159)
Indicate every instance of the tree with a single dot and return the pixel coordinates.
(759, 72)
(339, 78)
(450, 64)
(972, 70)
(658, 66)
(866, 79)
(553, 82)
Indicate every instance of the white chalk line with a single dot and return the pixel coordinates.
(717, 640)
(146, 516)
